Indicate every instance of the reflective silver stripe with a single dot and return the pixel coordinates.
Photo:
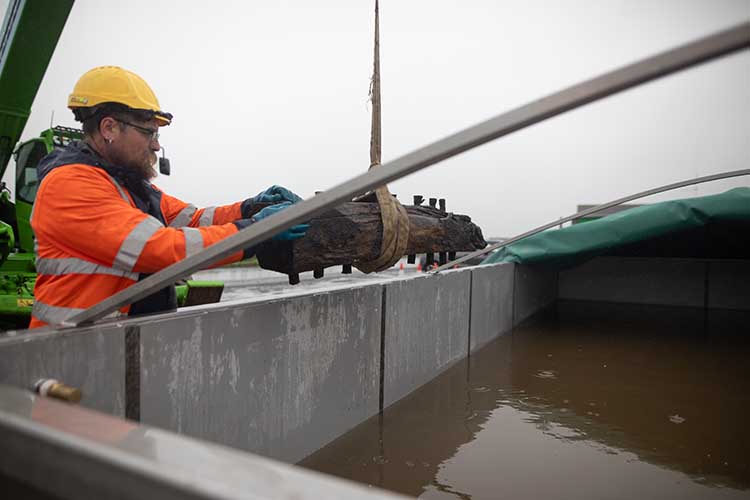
(207, 218)
(72, 265)
(53, 315)
(133, 245)
(193, 241)
(119, 188)
(184, 217)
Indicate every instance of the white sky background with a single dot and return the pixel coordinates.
(276, 93)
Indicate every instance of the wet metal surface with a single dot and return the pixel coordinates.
(255, 283)
(593, 401)
(54, 450)
(280, 378)
(426, 330)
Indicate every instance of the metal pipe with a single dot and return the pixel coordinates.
(592, 210)
(654, 67)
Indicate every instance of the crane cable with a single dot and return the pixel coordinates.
(392, 213)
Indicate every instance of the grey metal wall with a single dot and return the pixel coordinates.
(728, 285)
(426, 329)
(281, 377)
(52, 450)
(534, 289)
(88, 358)
(284, 377)
(660, 281)
(491, 303)
(433, 321)
(505, 295)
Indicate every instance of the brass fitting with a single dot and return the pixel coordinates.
(55, 389)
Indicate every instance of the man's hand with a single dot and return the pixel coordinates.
(271, 196)
(293, 233)
(276, 194)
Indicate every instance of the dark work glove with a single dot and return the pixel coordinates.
(293, 233)
(275, 194)
(272, 195)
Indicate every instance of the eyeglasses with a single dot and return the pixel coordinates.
(153, 135)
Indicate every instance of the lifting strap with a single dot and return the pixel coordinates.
(392, 213)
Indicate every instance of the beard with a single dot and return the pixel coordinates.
(134, 175)
(144, 168)
(148, 168)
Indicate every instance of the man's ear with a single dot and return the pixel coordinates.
(108, 128)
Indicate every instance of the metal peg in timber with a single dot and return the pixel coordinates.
(429, 259)
(411, 259)
(418, 199)
(346, 269)
(55, 389)
(433, 202)
(294, 279)
(318, 273)
(451, 255)
(441, 204)
(443, 258)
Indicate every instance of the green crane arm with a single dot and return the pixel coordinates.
(30, 33)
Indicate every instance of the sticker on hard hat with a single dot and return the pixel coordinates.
(80, 100)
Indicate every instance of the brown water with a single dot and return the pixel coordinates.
(586, 402)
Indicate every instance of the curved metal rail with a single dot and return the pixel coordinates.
(593, 210)
(665, 63)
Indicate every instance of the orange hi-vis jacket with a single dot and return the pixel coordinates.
(95, 238)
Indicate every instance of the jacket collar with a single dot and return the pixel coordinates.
(79, 152)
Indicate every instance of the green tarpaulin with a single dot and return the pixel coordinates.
(716, 226)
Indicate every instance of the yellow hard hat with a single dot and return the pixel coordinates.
(115, 84)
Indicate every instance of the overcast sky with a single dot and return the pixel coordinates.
(276, 93)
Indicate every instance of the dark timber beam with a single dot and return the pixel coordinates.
(352, 232)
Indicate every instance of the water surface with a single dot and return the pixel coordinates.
(589, 401)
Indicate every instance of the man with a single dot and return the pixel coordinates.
(100, 225)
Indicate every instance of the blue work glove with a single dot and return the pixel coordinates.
(276, 194)
(272, 195)
(293, 233)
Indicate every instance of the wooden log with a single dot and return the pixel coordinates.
(353, 231)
